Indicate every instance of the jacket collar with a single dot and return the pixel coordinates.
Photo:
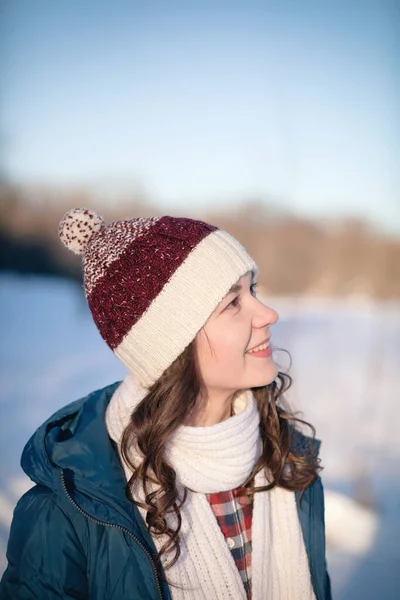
(74, 442)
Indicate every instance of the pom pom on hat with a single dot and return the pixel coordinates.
(77, 228)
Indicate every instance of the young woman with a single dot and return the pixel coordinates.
(188, 480)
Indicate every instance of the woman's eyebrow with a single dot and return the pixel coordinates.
(235, 288)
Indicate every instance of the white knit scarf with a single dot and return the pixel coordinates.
(214, 459)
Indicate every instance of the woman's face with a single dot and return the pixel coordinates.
(225, 345)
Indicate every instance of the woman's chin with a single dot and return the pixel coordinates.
(267, 375)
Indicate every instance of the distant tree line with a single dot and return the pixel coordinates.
(296, 256)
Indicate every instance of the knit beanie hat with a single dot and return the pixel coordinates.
(152, 283)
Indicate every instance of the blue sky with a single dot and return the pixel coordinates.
(208, 102)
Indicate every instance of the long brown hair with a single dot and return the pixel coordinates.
(167, 406)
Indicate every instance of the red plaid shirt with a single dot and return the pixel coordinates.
(234, 512)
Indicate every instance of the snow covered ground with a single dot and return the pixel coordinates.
(346, 370)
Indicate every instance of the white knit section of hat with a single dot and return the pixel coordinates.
(183, 306)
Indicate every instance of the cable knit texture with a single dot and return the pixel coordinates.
(213, 459)
(142, 274)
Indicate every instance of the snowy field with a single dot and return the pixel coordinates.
(346, 370)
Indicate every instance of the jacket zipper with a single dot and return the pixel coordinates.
(98, 522)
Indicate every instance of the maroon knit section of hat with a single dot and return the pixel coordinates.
(134, 280)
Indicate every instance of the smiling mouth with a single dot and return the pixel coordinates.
(263, 346)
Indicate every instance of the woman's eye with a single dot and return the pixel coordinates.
(234, 303)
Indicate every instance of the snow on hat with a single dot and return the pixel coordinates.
(152, 283)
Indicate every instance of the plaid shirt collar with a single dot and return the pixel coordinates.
(234, 511)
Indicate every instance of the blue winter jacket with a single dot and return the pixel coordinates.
(76, 535)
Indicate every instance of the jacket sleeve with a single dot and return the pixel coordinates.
(319, 539)
(311, 512)
(44, 553)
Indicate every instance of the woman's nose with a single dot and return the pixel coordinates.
(265, 316)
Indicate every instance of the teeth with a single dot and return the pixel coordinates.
(260, 347)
